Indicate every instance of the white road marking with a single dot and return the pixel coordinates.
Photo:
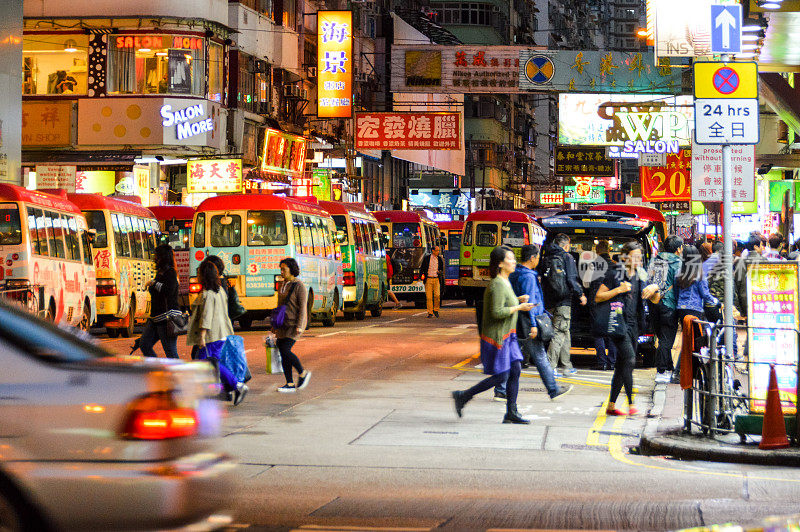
(329, 334)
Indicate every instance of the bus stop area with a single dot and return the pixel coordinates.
(738, 407)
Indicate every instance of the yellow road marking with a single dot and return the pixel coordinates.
(467, 361)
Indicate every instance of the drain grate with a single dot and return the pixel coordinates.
(580, 447)
(536, 390)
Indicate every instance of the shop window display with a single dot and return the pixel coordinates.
(156, 64)
(54, 64)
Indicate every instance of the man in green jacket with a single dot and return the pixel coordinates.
(663, 270)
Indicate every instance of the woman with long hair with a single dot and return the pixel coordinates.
(294, 295)
(693, 292)
(500, 353)
(210, 325)
(163, 304)
(625, 289)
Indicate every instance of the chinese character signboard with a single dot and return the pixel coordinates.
(670, 182)
(408, 131)
(456, 69)
(446, 200)
(580, 194)
(551, 198)
(707, 173)
(334, 64)
(584, 161)
(772, 304)
(54, 176)
(613, 119)
(593, 71)
(283, 154)
(214, 175)
(321, 180)
(46, 124)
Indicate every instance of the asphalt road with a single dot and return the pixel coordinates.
(373, 443)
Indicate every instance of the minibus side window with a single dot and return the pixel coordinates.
(73, 250)
(33, 232)
(200, 230)
(467, 240)
(136, 237)
(297, 229)
(87, 251)
(308, 240)
(120, 236)
(41, 227)
(53, 221)
(97, 220)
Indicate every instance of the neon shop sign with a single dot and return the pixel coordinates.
(182, 120)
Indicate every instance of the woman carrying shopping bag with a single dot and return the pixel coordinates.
(210, 325)
(619, 315)
(164, 306)
(288, 322)
(500, 353)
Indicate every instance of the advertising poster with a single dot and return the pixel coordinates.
(214, 175)
(772, 304)
(671, 182)
(180, 72)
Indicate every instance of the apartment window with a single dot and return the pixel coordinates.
(157, 64)
(54, 64)
(216, 72)
(476, 14)
(248, 96)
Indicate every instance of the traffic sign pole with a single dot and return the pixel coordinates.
(727, 259)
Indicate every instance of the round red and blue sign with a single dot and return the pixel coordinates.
(726, 80)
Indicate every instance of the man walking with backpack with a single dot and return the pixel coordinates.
(663, 270)
(561, 284)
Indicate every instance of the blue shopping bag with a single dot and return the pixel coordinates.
(233, 357)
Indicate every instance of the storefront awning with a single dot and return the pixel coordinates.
(82, 158)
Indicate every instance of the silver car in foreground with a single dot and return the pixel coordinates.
(92, 441)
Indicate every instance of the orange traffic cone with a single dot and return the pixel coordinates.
(773, 430)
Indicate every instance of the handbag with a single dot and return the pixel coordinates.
(177, 324)
(545, 327)
(609, 319)
(235, 308)
(278, 318)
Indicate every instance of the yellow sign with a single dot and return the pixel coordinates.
(46, 123)
(725, 80)
(334, 64)
(95, 181)
(214, 175)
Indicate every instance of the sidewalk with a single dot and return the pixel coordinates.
(663, 435)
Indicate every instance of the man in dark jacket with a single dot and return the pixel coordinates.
(600, 265)
(432, 272)
(561, 309)
(663, 270)
(755, 247)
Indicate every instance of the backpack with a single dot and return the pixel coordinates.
(659, 273)
(554, 279)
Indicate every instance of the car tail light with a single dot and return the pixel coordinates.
(106, 287)
(467, 254)
(278, 283)
(349, 278)
(194, 286)
(236, 259)
(465, 271)
(417, 276)
(157, 417)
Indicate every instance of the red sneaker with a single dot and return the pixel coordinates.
(615, 412)
(632, 411)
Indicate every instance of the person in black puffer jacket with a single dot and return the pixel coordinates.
(163, 303)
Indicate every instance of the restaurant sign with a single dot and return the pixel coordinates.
(584, 161)
(214, 175)
(408, 131)
(283, 154)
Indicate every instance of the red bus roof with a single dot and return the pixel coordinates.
(401, 216)
(336, 207)
(500, 216)
(455, 225)
(646, 213)
(169, 212)
(93, 202)
(11, 192)
(259, 202)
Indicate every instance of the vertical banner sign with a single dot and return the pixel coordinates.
(772, 304)
(334, 64)
(671, 182)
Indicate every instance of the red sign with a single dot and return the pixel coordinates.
(283, 154)
(408, 131)
(668, 183)
(155, 42)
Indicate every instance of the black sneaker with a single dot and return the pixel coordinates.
(239, 393)
(458, 398)
(436, 313)
(563, 390)
(302, 382)
(515, 418)
(500, 397)
(430, 315)
(287, 388)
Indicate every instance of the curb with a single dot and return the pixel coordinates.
(674, 442)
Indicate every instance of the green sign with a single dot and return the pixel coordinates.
(597, 195)
(321, 177)
(777, 189)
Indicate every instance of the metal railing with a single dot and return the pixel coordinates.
(26, 297)
(721, 381)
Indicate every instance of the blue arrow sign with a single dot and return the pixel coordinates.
(726, 29)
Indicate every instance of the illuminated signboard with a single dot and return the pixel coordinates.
(154, 42)
(586, 161)
(613, 119)
(283, 154)
(334, 64)
(551, 198)
(408, 131)
(772, 311)
(214, 175)
(188, 122)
